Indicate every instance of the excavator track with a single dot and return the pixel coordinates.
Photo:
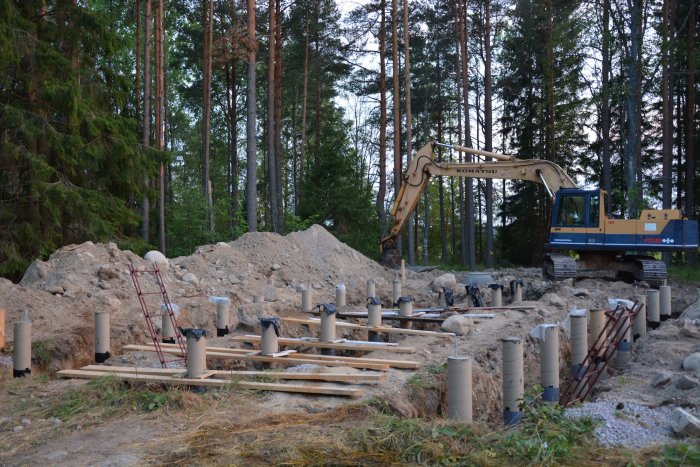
(559, 267)
(648, 269)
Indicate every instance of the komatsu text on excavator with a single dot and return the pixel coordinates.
(579, 221)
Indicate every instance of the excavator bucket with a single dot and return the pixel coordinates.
(391, 258)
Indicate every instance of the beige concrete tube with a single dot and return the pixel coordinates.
(596, 324)
(102, 336)
(664, 302)
(374, 312)
(328, 333)
(306, 300)
(653, 310)
(395, 291)
(578, 320)
(403, 271)
(513, 379)
(496, 294)
(371, 288)
(516, 289)
(459, 388)
(196, 352)
(549, 364)
(639, 325)
(624, 347)
(340, 295)
(442, 300)
(269, 332)
(405, 306)
(22, 355)
(167, 332)
(223, 305)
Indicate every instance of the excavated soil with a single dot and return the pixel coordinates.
(62, 293)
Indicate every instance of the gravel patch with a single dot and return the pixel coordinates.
(6, 362)
(630, 425)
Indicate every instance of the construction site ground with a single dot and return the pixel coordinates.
(44, 419)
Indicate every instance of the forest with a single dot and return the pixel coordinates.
(168, 125)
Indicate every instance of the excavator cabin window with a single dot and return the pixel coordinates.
(572, 211)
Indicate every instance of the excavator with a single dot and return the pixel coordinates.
(579, 221)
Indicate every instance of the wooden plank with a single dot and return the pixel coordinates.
(296, 360)
(290, 342)
(210, 382)
(387, 329)
(405, 364)
(355, 378)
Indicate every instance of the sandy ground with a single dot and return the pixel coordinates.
(62, 293)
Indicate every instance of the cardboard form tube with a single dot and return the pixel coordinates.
(653, 310)
(2, 328)
(196, 352)
(496, 294)
(22, 355)
(223, 305)
(340, 295)
(639, 325)
(371, 288)
(549, 364)
(102, 336)
(664, 302)
(596, 324)
(579, 340)
(306, 300)
(513, 379)
(395, 291)
(459, 388)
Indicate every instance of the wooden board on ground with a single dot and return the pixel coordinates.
(362, 347)
(294, 359)
(352, 378)
(387, 329)
(210, 382)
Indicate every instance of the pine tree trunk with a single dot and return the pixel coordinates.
(304, 108)
(278, 118)
(137, 85)
(460, 205)
(206, 109)
(160, 121)
(146, 203)
(381, 192)
(690, 115)
(441, 188)
(469, 183)
(633, 101)
(251, 124)
(605, 103)
(667, 105)
(397, 103)
(488, 130)
(409, 128)
(271, 144)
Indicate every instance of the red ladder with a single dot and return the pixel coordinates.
(617, 324)
(150, 316)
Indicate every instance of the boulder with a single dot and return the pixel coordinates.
(686, 382)
(446, 280)
(191, 279)
(692, 362)
(458, 324)
(660, 379)
(155, 256)
(34, 273)
(249, 315)
(554, 300)
(691, 328)
(685, 423)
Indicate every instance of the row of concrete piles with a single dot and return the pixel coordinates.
(583, 323)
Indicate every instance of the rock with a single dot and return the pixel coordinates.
(690, 329)
(686, 382)
(4, 421)
(56, 455)
(233, 280)
(155, 256)
(18, 428)
(692, 362)
(270, 293)
(276, 267)
(684, 422)
(26, 422)
(191, 279)
(56, 421)
(223, 244)
(249, 315)
(458, 324)
(446, 280)
(660, 379)
(107, 273)
(34, 273)
(554, 300)
(54, 289)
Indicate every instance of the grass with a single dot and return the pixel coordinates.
(686, 273)
(42, 352)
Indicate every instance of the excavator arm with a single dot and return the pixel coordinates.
(423, 166)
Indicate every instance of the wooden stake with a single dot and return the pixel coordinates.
(387, 329)
(368, 347)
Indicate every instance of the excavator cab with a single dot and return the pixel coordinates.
(577, 218)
